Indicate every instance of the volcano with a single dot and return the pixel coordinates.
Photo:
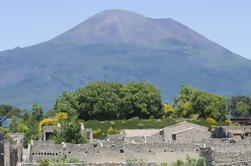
(119, 45)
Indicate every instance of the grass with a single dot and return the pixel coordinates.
(102, 128)
(133, 123)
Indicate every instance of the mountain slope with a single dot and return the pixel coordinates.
(118, 45)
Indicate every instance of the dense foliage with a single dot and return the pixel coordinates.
(128, 106)
(8, 111)
(191, 101)
(241, 105)
(27, 123)
(107, 101)
(70, 132)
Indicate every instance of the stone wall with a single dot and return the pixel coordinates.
(144, 139)
(107, 164)
(232, 155)
(10, 154)
(114, 151)
(191, 135)
(202, 132)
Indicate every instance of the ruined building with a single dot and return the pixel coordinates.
(226, 146)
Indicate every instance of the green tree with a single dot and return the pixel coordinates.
(67, 103)
(141, 99)
(38, 112)
(26, 124)
(108, 101)
(13, 125)
(235, 102)
(99, 100)
(70, 132)
(191, 101)
(7, 111)
(241, 108)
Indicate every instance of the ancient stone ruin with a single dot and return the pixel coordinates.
(227, 145)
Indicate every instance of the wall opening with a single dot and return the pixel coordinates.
(121, 151)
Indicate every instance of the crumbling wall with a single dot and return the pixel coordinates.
(192, 135)
(144, 139)
(114, 151)
(169, 131)
(10, 154)
(229, 158)
(107, 164)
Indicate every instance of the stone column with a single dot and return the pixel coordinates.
(91, 136)
(6, 153)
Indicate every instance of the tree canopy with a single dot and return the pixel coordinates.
(7, 111)
(240, 105)
(107, 101)
(192, 101)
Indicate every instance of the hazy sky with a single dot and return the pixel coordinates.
(27, 22)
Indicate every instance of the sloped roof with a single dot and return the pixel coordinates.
(187, 125)
(140, 132)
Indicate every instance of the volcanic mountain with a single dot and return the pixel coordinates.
(118, 45)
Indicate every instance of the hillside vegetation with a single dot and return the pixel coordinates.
(108, 107)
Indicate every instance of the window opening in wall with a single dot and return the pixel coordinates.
(48, 135)
(33, 154)
(85, 151)
(174, 136)
(121, 151)
(69, 152)
(164, 150)
(56, 154)
(150, 151)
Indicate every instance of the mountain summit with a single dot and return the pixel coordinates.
(118, 45)
(120, 26)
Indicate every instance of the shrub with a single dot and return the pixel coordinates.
(236, 124)
(112, 131)
(211, 121)
(112, 123)
(44, 162)
(229, 122)
(97, 131)
(140, 125)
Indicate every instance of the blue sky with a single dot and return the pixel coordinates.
(27, 22)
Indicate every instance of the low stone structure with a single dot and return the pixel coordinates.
(219, 148)
(106, 164)
(113, 151)
(238, 132)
